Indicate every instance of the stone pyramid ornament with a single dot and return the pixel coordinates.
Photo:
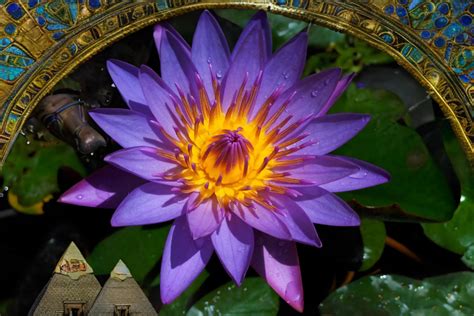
(121, 295)
(71, 290)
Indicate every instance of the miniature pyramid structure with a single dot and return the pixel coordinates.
(121, 292)
(73, 264)
(72, 288)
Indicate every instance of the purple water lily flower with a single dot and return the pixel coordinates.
(233, 147)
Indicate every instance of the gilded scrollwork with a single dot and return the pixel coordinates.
(43, 41)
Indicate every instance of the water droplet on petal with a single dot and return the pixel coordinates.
(359, 175)
(314, 93)
(219, 74)
(209, 60)
(286, 75)
(79, 196)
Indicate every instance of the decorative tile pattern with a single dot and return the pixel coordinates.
(446, 26)
(42, 41)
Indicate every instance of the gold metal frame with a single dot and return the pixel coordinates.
(96, 26)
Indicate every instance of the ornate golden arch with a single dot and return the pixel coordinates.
(43, 41)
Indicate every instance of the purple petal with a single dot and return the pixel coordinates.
(284, 69)
(329, 132)
(149, 204)
(340, 88)
(127, 128)
(175, 60)
(125, 77)
(160, 98)
(210, 49)
(234, 243)
(167, 26)
(205, 219)
(308, 96)
(140, 161)
(323, 207)
(368, 176)
(182, 260)
(260, 21)
(298, 223)
(277, 262)
(263, 220)
(105, 188)
(248, 58)
(320, 169)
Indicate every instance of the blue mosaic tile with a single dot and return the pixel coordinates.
(15, 11)
(443, 8)
(58, 35)
(94, 4)
(389, 9)
(10, 28)
(439, 42)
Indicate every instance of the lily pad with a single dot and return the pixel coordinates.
(139, 247)
(457, 234)
(31, 169)
(417, 186)
(373, 236)
(253, 297)
(451, 294)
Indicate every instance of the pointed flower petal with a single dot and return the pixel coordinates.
(330, 132)
(143, 162)
(299, 224)
(125, 77)
(277, 262)
(320, 170)
(175, 61)
(263, 220)
(105, 188)
(205, 219)
(367, 176)
(260, 21)
(160, 98)
(323, 207)
(340, 88)
(210, 49)
(182, 260)
(149, 204)
(248, 58)
(234, 243)
(308, 96)
(127, 128)
(284, 69)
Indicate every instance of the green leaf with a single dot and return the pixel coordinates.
(417, 187)
(349, 54)
(140, 248)
(180, 305)
(373, 236)
(32, 167)
(457, 234)
(253, 297)
(468, 257)
(284, 28)
(451, 294)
